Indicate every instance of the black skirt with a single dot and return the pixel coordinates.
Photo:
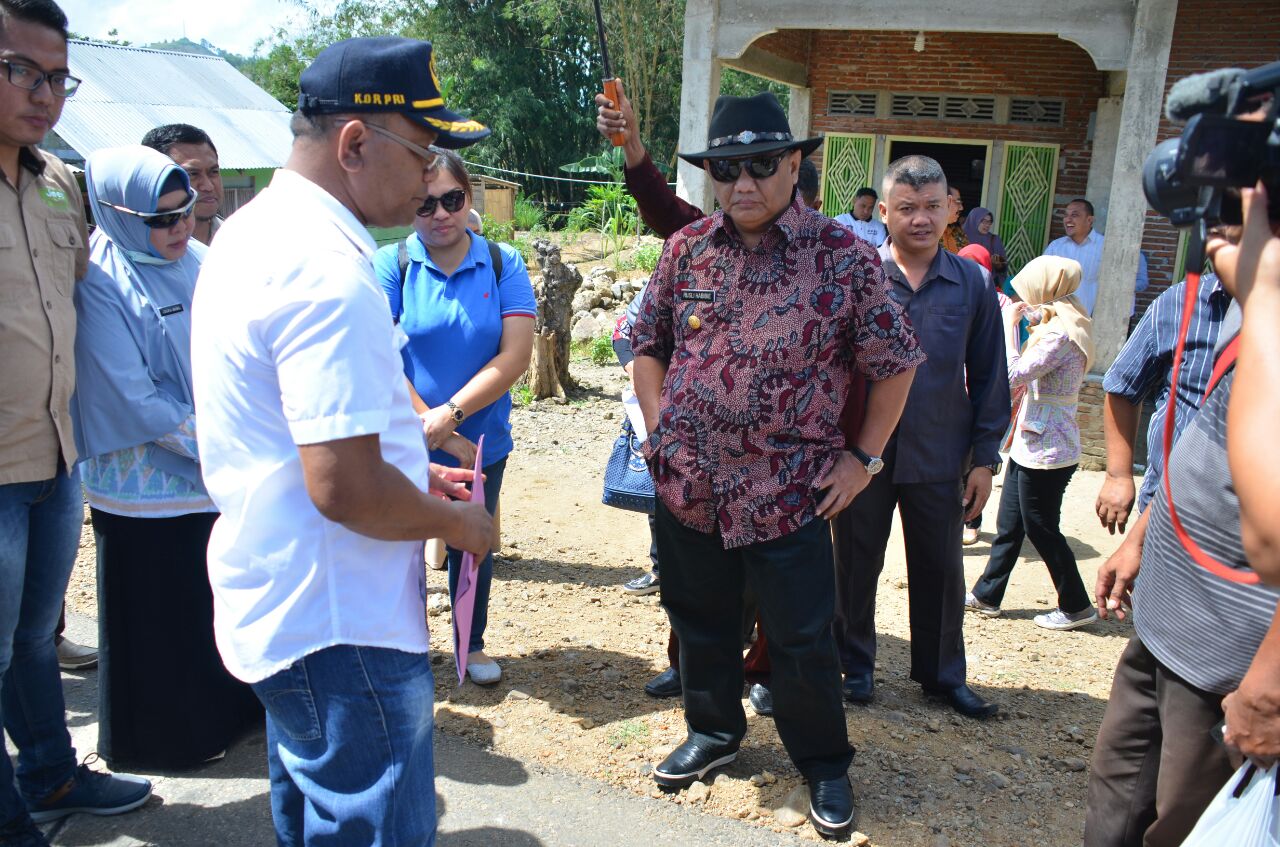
(165, 700)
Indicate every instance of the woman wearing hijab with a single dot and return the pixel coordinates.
(1045, 376)
(165, 700)
(977, 229)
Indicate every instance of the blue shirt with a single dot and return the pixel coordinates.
(454, 324)
(1145, 364)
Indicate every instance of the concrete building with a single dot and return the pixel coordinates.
(1026, 103)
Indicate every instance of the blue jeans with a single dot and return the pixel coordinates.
(349, 749)
(39, 536)
(484, 576)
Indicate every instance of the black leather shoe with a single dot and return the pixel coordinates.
(690, 762)
(965, 701)
(831, 805)
(761, 700)
(859, 687)
(665, 684)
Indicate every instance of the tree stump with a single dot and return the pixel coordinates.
(549, 368)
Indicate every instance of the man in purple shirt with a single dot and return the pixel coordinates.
(748, 337)
(954, 419)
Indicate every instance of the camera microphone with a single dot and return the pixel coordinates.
(1200, 93)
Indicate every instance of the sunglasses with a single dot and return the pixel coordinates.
(728, 170)
(451, 200)
(160, 220)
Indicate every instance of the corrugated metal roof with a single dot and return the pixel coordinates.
(130, 90)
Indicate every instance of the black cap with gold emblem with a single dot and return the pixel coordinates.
(384, 74)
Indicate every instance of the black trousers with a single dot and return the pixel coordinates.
(702, 590)
(1031, 507)
(932, 514)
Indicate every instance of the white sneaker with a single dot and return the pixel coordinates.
(484, 672)
(973, 604)
(969, 536)
(1060, 620)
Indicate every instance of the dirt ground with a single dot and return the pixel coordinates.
(576, 652)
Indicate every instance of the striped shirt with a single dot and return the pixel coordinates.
(1203, 628)
(1143, 368)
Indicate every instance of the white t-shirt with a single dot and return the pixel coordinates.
(292, 343)
(872, 231)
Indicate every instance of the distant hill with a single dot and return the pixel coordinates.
(203, 48)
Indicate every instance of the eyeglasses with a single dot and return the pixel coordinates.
(451, 200)
(29, 78)
(728, 170)
(427, 155)
(160, 220)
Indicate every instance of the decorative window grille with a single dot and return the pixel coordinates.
(1042, 111)
(916, 106)
(860, 104)
(970, 108)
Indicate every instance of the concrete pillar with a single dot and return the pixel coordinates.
(698, 91)
(1102, 158)
(799, 109)
(1139, 121)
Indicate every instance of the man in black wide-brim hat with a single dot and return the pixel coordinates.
(747, 340)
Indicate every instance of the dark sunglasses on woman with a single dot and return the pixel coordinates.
(160, 220)
(728, 170)
(451, 200)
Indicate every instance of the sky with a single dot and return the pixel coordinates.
(234, 25)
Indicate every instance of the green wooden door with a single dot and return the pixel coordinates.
(1026, 200)
(846, 167)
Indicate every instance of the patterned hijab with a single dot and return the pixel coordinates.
(1050, 282)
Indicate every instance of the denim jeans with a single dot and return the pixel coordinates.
(484, 576)
(349, 749)
(39, 536)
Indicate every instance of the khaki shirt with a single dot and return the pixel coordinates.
(43, 251)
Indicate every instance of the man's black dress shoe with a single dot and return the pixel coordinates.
(690, 762)
(761, 700)
(665, 684)
(831, 805)
(859, 687)
(964, 701)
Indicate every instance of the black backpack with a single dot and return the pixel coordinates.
(402, 257)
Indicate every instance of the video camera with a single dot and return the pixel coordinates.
(1195, 179)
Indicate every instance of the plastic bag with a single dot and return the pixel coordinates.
(1243, 814)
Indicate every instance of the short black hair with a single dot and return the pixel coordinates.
(807, 180)
(42, 12)
(1087, 205)
(916, 171)
(163, 137)
(866, 191)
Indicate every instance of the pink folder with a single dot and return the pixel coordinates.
(464, 603)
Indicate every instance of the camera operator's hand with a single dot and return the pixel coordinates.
(1255, 260)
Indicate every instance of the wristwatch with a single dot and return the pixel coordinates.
(873, 464)
(994, 468)
(455, 411)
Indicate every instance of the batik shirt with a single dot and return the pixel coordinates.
(760, 347)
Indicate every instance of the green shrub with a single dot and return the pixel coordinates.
(646, 257)
(528, 215)
(495, 231)
(602, 350)
(521, 395)
(524, 243)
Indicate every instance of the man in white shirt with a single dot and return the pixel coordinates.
(313, 453)
(860, 220)
(1084, 244)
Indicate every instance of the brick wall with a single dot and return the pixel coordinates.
(1093, 445)
(1036, 65)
